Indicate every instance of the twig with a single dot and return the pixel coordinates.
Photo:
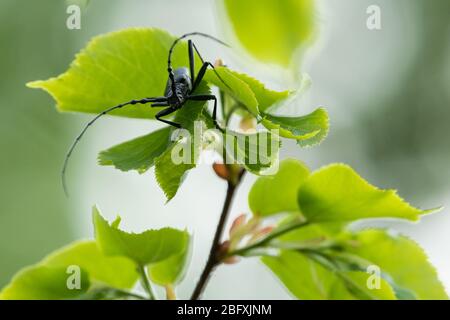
(213, 260)
(264, 241)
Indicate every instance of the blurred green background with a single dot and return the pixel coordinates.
(387, 93)
(33, 216)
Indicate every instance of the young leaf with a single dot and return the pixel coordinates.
(311, 233)
(48, 278)
(144, 248)
(235, 87)
(336, 193)
(356, 282)
(41, 282)
(257, 152)
(402, 259)
(138, 154)
(270, 30)
(117, 272)
(275, 194)
(170, 173)
(306, 279)
(308, 130)
(170, 271)
(115, 68)
(266, 97)
(247, 90)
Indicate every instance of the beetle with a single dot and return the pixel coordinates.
(180, 88)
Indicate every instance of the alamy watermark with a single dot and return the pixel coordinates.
(374, 280)
(73, 21)
(73, 281)
(374, 19)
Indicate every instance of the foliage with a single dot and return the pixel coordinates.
(108, 265)
(131, 64)
(317, 255)
(312, 247)
(319, 210)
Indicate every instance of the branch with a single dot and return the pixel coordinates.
(213, 260)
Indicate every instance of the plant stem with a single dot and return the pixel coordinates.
(145, 283)
(213, 260)
(264, 241)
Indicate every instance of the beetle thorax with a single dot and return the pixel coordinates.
(183, 86)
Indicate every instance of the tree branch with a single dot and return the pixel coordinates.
(213, 260)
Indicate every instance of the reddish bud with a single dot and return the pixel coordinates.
(221, 170)
(261, 233)
(239, 221)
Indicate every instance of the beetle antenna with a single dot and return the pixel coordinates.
(90, 123)
(184, 36)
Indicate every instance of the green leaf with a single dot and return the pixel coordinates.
(235, 87)
(144, 248)
(278, 193)
(266, 97)
(138, 154)
(172, 270)
(306, 279)
(169, 173)
(311, 233)
(351, 262)
(47, 279)
(402, 259)
(356, 282)
(257, 152)
(271, 30)
(41, 282)
(115, 68)
(117, 272)
(308, 130)
(336, 193)
(250, 92)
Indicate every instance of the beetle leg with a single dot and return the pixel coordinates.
(160, 104)
(208, 97)
(191, 61)
(166, 112)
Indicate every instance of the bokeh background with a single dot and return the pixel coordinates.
(387, 93)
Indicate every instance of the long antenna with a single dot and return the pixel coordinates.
(78, 138)
(184, 36)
